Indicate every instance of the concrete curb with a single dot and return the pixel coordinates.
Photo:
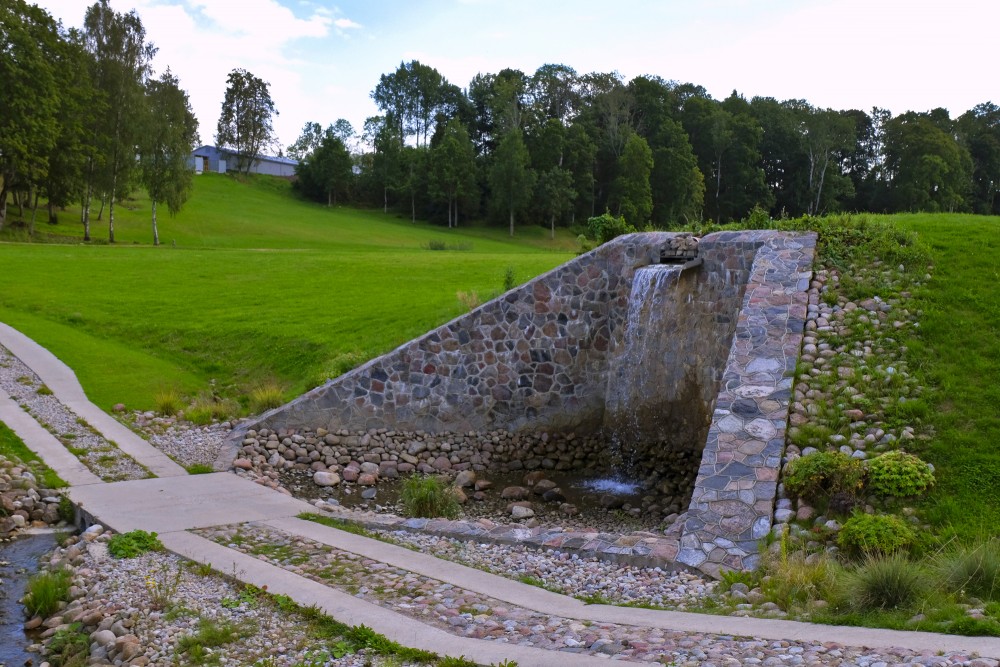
(61, 379)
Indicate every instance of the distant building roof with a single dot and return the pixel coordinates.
(261, 158)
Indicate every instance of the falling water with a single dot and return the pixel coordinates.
(636, 367)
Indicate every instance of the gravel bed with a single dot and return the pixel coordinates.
(586, 578)
(184, 442)
(101, 456)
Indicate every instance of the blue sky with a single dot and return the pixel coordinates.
(323, 59)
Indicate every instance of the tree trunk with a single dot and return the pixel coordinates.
(85, 214)
(111, 208)
(100, 214)
(34, 212)
(413, 208)
(329, 198)
(553, 222)
(512, 221)
(385, 200)
(3, 204)
(53, 220)
(456, 213)
(156, 233)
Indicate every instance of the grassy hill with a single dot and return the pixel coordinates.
(249, 284)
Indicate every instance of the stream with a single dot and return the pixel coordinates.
(18, 561)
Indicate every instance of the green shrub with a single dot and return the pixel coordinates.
(821, 475)
(509, 279)
(899, 474)
(45, 591)
(428, 497)
(133, 543)
(973, 570)
(69, 647)
(885, 582)
(875, 534)
(603, 228)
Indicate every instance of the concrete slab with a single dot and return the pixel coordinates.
(61, 379)
(43, 443)
(554, 604)
(348, 609)
(169, 504)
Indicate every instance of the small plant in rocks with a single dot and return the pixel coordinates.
(265, 395)
(875, 534)
(133, 543)
(428, 497)
(45, 591)
(899, 474)
(167, 401)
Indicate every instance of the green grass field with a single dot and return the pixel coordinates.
(959, 352)
(258, 286)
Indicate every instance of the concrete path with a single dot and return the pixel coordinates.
(58, 377)
(173, 505)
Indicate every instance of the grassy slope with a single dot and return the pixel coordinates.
(959, 350)
(259, 284)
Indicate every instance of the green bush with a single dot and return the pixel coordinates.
(821, 475)
(133, 543)
(885, 582)
(603, 228)
(875, 534)
(428, 497)
(899, 474)
(45, 591)
(973, 570)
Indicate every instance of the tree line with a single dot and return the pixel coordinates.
(83, 119)
(555, 147)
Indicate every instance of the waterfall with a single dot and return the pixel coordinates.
(636, 375)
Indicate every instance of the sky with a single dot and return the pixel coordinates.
(323, 59)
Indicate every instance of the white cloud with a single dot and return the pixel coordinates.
(346, 24)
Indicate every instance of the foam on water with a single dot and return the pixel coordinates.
(615, 487)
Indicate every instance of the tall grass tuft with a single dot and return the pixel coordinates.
(428, 497)
(168, 401)
(794, 580)
(45, 591)
(973, 570)
(265, 395)
(206, 408)
(885, 582)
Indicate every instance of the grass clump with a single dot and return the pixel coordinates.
(972, 570)
(133, 543)
(885, 581)
(168, 402)
(875, 534)
(899, 474)
(265, 395)
(45, 591)
(794, 579)
(69, 647)
(339, 524)
(428, 497)
(199, 469)
(207, 409)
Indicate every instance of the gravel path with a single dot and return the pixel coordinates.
(469, 614)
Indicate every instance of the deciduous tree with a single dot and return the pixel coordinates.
(170, 134)
(245, 125)
(511, 178)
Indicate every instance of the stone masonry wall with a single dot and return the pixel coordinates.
(533, 359)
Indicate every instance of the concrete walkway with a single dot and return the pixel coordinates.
(176, 503)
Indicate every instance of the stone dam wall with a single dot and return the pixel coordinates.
(526, 381)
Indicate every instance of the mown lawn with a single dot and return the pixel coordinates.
(958, 350)
(258, 286)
